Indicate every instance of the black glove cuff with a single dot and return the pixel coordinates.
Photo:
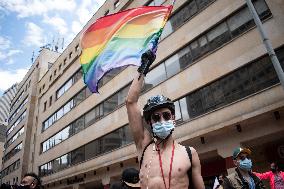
(147, 59)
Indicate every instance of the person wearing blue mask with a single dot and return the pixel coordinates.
(242, 177)
(163, 162)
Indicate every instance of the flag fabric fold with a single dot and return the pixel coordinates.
(119, 40)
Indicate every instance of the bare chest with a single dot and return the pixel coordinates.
(155, 172)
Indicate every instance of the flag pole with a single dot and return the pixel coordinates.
(267, 43)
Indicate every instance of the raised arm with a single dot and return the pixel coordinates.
(263, 176)
(196, 170)
(140, 134)
(134, 113)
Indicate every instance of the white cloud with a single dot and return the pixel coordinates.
(87, 9)
(6, 51)
(26, 8)
(9, 77)
(10, 61)
(7, 56)
(58, 23)
(76, 27)
(34, 35)
(13, 52)
(4, 43)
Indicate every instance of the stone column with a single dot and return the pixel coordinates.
(78, 186)
(106, 182)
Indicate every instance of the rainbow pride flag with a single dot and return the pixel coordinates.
(119, 40)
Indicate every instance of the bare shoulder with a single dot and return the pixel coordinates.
(183, 155)
(193, 151)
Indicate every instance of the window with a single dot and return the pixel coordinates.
(77, 48)
(110, 104)
(54, 73)
(79, 125)
(60, 66)
(74, 78)
(156, 76)
(240, 22)
(106, 12)
(218, 36)
(91, 117)
(13, 152)
(14, 137)
(110, 75)
(156, 2)
(245, 81)
(50, 77)
(50, 101)
(116, 4)
(79, 97)
(18, 110)
(44, 106)
(65, 161)
(11, 168)
(202, 3)
(104, 144)
(21, 117)
(70, 55)
(78, 155)
(65, 61)
(185, 13)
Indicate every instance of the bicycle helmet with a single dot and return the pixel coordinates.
(156, 102)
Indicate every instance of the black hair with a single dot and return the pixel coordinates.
(275, 163)
(36, 177)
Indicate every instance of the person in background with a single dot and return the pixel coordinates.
(30, 181)
(275, 176)
(129, 179)
(242, 177)
(219, 182)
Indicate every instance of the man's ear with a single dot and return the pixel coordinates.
(235, 162)
(33, 185)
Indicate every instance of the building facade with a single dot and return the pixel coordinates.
(210, 61)
(5, 103)
(21, 123)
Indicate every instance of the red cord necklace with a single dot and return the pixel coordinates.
(171, 165)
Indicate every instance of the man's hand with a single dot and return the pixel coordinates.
(147, 59)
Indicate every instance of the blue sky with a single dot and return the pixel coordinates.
(26, 25)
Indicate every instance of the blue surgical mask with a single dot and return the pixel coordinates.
(163, 129)
(245, 164)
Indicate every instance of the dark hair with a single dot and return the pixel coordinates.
(275, 163)
(36, 177)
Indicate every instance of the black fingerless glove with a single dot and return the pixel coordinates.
(147, 59)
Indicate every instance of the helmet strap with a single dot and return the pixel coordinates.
(155, 137)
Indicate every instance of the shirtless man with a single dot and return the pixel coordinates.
(164, 163)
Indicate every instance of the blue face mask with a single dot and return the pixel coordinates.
(245, 164)
(163, 129)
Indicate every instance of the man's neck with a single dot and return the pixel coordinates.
(244, 173)
(163, 144)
